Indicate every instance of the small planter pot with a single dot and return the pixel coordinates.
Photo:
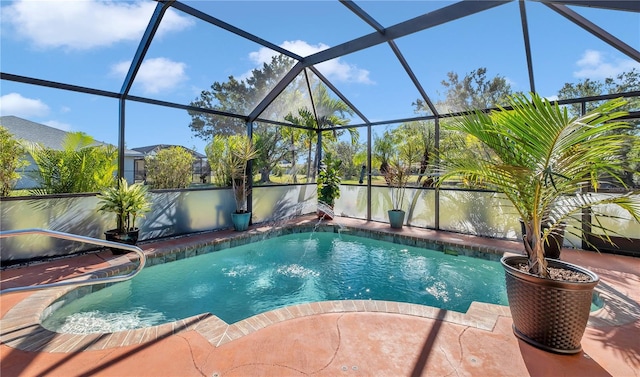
(325, 211)
(548, 314)
(241, 221)
(322, 215)
(396, 218)
(129, 238)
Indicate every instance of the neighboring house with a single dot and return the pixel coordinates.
(53, 138)
(201, 172)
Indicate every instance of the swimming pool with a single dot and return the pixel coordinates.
(239, 282)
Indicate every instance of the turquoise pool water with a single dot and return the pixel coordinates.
(239, 282)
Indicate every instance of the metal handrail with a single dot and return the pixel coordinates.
(75, 237)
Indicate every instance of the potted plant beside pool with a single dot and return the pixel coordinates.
(541, 159)
(328, 186)
(239, 151)
(397, 176)
(128, 203)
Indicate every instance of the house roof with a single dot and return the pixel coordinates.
(49, 137)
(150, 149)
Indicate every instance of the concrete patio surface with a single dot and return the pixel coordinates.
(327, 339)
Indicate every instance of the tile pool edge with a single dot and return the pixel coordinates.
(164, 254)
(21, 328)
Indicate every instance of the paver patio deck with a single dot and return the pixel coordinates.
(329, 339)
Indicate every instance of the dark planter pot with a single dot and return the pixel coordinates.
(241, 221)
(396, 218)
(129, 238)
(553, 246)
(548, 314)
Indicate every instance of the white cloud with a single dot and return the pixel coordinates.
(596, 65)
(155, 75)
(335, 69)
(17, 105)
(85, 24)
(58, 125)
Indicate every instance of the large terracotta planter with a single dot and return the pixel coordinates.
(548, 314)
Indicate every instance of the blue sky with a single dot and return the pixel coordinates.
(90, 43)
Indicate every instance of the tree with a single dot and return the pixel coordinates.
(421, 136)
(382, 151)
(474, 91)
(81, 166)
(240, 97)
(307, 137)
(585, 88)
(293, 138)
(217, 155)
(169, 168)
(624, 82)
(236, 97)
(346, 152)
(272, 148)
(11, 159)
(329, 112)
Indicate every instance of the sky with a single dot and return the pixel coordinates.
(91, 43)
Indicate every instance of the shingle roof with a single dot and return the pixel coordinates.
(49, 137)
(153, 148)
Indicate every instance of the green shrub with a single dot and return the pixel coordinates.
(169, 168)
(11, 159)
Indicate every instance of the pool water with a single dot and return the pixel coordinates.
(239, 282)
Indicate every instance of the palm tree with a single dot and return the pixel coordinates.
(83, 165)
(421, 134)
(543, 160)
(382, 151)
(328, 112)
(306, 119)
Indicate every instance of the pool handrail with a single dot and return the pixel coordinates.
(75, 280)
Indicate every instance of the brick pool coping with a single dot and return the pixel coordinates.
(22, 329)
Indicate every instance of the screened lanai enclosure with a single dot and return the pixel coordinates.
(362, 80)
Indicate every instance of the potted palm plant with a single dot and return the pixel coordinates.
(240, 150)
(328, 186)
(543, 160)
(127, 202)
(397, 176)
